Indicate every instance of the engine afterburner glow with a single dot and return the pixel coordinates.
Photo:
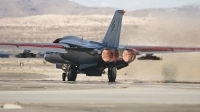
(128, 55)
(109, 55)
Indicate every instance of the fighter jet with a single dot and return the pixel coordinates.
(76, 55)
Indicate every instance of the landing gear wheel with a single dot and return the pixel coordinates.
(112, 74)
(72, 73)
(64, 75)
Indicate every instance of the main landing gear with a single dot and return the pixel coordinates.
(70, 73)
(112, 74)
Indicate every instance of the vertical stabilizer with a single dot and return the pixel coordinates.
(112, 36)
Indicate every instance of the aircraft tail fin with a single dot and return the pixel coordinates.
(112, 36)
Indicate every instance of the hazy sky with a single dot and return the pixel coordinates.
(136, 4)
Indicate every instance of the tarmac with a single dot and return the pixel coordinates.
(95, 95)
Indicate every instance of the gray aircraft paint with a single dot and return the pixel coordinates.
(112, 36)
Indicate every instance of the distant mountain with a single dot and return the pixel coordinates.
(187, 10)
(21, 8)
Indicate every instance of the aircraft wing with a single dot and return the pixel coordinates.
(162, 49)
(42, 47)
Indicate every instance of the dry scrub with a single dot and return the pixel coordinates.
(169, 31)
(169, 72)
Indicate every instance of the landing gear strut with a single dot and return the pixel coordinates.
(70, 73)
(112, 74)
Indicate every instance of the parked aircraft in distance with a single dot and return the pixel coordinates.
(76, 55)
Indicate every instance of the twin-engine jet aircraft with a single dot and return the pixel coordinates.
(75, 55)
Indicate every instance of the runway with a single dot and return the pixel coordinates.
(34, 95)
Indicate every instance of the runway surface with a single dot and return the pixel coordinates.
(55, 95)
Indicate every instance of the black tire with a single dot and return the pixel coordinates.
(72, 73)
(112, 74)
(64, 75)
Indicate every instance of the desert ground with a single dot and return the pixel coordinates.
(167, 85)
(156, 31)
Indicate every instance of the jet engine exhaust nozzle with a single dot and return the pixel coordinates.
(128, 56)
(109, 55)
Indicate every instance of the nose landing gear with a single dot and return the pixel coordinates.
(70, 72)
